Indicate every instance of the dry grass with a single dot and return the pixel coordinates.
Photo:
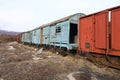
(7, 38)
(19, 64)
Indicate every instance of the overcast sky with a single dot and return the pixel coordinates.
(24, 15)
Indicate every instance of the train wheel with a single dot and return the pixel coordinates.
(63, 51)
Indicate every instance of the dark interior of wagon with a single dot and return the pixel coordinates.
(73, 33)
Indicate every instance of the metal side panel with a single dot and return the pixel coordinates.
(101, 21)
(46, 35)
(115, 29)
(86, 33)
(36, 36)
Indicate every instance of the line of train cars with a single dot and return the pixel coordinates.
(61, 34)
(96, 36)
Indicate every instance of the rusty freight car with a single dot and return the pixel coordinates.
(19, 36)
(99, 36)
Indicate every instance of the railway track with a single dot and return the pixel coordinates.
(104, 60)
(98, 59)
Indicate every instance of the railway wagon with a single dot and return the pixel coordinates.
(62, 33)
(19, 36)
(99, 33)
(35, 36)
(26, 37)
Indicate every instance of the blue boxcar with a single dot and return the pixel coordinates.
(63, 32)
(26, 37)
(36, 36)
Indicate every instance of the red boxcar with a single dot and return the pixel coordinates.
(19, 36)
(100, 32)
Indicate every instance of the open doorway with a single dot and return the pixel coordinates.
(73, 33)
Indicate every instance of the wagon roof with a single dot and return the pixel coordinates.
(108, 9)
(57, 21)
(114, 7)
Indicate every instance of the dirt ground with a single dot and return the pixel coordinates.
(22, 62)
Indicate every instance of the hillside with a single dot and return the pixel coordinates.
(8, 32)
(7, 36)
